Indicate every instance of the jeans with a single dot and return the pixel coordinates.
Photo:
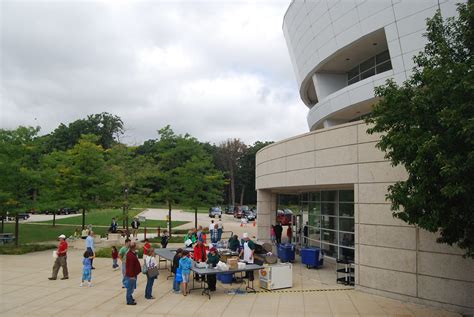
(149, 286)
(176, 285)
(114, 263)
(219, 234)
(131, 284)
(123, 275)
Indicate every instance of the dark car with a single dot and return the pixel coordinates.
(284, 216)
(239, 211)
(250, 215)
(23, 216)
(215, 211)
(67, 211)
(229, 210)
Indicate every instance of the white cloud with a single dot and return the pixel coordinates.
(214, 69)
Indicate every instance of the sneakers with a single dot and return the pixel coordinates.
(51, 278)
(89, 284)
(65, 278)
(132, 303)
(81, 285)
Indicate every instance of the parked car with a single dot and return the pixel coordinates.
(215, 211)
(284, 216)
(229, 210)
(67, 211)
(24, 216)
(239, 211)
(250, 215)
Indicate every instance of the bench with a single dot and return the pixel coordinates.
(6, 238)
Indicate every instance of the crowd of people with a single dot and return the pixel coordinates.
(196, 248)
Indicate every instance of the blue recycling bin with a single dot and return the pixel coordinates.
(286, 252)
(225, 278)
(312, 257)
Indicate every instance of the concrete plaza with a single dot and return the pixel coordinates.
(26, 290)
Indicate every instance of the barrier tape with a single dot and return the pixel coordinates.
(304, 290)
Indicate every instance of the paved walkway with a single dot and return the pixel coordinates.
(25, 290)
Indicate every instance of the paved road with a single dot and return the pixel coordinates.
(230, 223)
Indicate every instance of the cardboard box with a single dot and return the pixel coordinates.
(232, 263)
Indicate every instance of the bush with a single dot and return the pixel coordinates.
(25, 248)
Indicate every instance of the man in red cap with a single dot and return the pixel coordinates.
(61, 259)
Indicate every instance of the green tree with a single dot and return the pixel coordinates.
(107, 127)
(202, 184)
(428, 127)
(247, 172)
(230, 153)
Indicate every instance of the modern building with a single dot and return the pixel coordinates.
(334, 177)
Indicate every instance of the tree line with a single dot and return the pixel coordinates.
(85, 165)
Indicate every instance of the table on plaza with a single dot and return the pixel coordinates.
(7, 237)
(168, 255)
(213, 271)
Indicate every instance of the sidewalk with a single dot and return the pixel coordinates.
(25, 290)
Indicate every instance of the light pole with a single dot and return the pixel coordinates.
(126, 210)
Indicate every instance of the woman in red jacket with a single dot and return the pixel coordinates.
(199, 255)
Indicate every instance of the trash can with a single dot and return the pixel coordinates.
(312, 257)
(226, 278)
(286, 252)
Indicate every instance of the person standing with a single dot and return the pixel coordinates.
(123, 258)
(278, 231)
(165, 237)
(211, 228)
(220, 228)
(174, 270)
(234, 243)
(199, 234)
(90, 246)
(305, 234)
(61, 260)
(135, 227)
(214, 234)
(199, 255)
(132, 270)
(87, 268)
(272, 234)
(185, 264)
(146, 247)
(115, 255)
(150, 262)
(212, 259)
(248, 248)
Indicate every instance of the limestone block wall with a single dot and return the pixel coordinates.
(392, 258)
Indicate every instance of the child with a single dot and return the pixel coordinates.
(164, 239)
(87, 268)
(176, 271)
(185, 264)
(114, 258)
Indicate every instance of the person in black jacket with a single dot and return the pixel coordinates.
(174, 266)
(278, 231)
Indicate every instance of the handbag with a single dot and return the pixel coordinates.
(152, 271)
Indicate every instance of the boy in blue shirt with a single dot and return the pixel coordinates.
(185, 264)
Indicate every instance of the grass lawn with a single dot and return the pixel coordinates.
(25, 248)
(103, 217)
(38, 233)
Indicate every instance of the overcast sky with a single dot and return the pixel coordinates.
(215, 69)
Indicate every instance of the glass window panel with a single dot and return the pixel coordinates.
(314, 233)
(353, 72)
(353, 80)
(304, 197)
(346, 224)
(329, 222)
(328, 209)
(382, 57)
(370, 63)
(314, 243)
(329, 236)
(329, 195)
(346, 209)
(329, 250)
(384, 67)
(346, 195)
(315, 196)
(367, 74)
(347, 254)
(346, 239)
